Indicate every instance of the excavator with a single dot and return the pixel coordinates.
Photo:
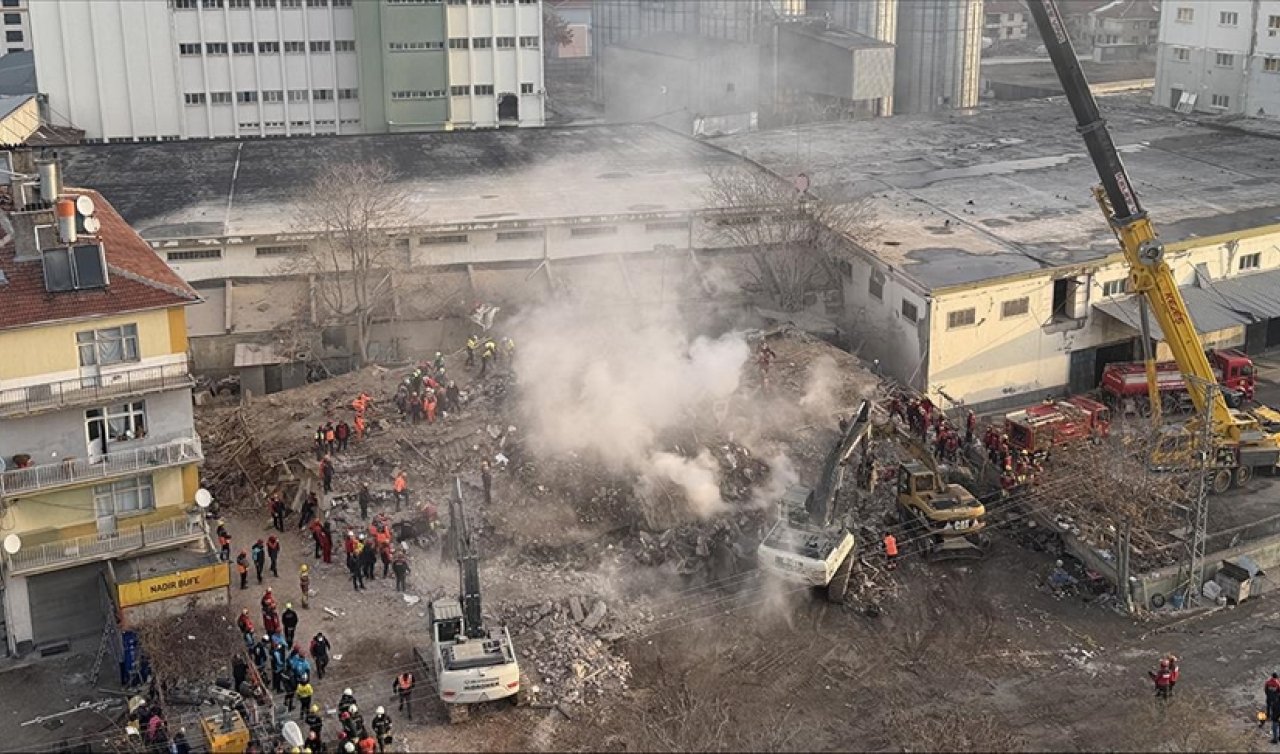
(1243, 441)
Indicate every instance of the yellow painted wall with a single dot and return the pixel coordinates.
(52, 348)
(64, 514)
(177, 329)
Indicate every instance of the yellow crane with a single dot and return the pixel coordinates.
(1243, 441)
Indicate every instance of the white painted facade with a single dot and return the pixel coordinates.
(1226, 53)
(17, 26)
(510, 71)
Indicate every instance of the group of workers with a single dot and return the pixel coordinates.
(427, 391)
(489, 351)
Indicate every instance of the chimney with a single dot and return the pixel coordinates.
(33, 231)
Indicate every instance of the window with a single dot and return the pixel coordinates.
(125, 496)
(417, 94)
(220, 98)
(13, 19)
(184, 4)
(1182, 54)
(348, 94)
(215, 48)
(1220, 100)
(189, 48)
(1271, 65)
(317, 3)
(246, 98)
(665, 225)
(909, 311)
(460, 90)
(875, 284)
(342, 3)
(592, 231)
(414, 46)
(1224, 60)
(265, 3)
(273, 95)
(1228, 18)
(298, 123)
(1273, 24)
(187, 256)
(458, 43)
(483, 88)
(1251, 261)
(504, 2)
(1186, 15)
(242, 48)
(10, 3)
(239, 3)
(279, 251)
(250, 126)
(519, 235)
(322, 45)
(442, 240)
(961, 318)
(290, 3)
(211, 3)
(526, 88)
(345, 45)
(528, 41)
(295, 47)
(194, 98)
(111, 345)
(298, 95)
(481, 43)
(322, 95)
(506, 43)
(268, 47)
(1014, 307)
(1115, 287)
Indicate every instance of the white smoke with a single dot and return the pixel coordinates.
(819, 399)
(609, 387)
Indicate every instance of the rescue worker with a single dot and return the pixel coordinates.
(273, 552)
(438, 363)
(320, 653)
(1173, 672)
(276, 505)
(245, 624)
(319, 439)
(381, 725)
(509, 349)
(346, 701)
(259, 555)
(342, 433)
(360, 426)
(384, 554)
(1162, 678)
(891, 550)
(401, 487)
(317, 535)
(308, 512)
(400, 565)
(452, 397)
(487, 353)
(313, 720)
(368, 558)
(326, 542)
(486, 478)
(429, 406)
(326, 474)
(289, 619)
(242, 567)
(268, 600)
(403, 688)
(330, 438)
(224, 542)
(290, 685)
(261, 654)
(472, 345)
(364, 499)
(367, 744)
(357, 574)
(970, 426)
(304, 585)
(279, 667)
(1272, 692)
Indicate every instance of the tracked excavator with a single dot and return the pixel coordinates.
(1243, 441)
(941, 520)
(808, 546)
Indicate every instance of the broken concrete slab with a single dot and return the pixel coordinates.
(597, 615)
(575, 607)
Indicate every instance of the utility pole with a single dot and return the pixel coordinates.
(1200, 512)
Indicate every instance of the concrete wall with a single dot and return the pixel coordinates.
(1201, 39)
(938, 47)
(50, 352)
(876, 326)
(64, 514)
(645, 85)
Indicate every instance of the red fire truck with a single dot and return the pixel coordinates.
(1124, 384)
(1057, 422)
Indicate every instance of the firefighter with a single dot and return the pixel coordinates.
(401, 488)
(259, 555)
(273, 553)
(891, 550)
(313, 720)
(1163, 678)
(381, 725)
(400, 566)
(360, 426)
(320, 648)
(970, 426)
(487, 353)
(472, 344)
(242, 568)
(224, 542)
(486, 479)
(1173, 672)
(289, 619)
(304, 584)
(346, 701)
(403, 688)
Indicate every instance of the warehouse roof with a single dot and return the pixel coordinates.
(194, 189)
(963, 197)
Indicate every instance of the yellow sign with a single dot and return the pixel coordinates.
(174, 585)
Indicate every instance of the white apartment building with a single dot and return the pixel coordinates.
(17, 26)
(145, 70)
(1220, 57)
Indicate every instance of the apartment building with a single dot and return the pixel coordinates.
(135, 70)
(17, 26)
(1221, 57)
(1122, 29)
(98, 450)
(1005, 20)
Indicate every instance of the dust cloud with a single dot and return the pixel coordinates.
(609, 386)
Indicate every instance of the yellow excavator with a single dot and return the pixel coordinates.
(1243, 441)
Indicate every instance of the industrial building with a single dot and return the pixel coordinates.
(98, 451)
(1220, 57)
(129, 71)
(992, 279)
(17, 26)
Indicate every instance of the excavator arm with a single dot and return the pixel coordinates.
(1149, 272)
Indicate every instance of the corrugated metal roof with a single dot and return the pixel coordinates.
(1209, 311)
(1257, 294)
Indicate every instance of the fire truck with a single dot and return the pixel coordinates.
(1057, 422)
(1124, 384)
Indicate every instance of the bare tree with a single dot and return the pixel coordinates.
(352, 208)
(555, 30)
(789, 233)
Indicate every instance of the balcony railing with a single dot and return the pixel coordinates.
(50, 396)
(116, 463)
(91, 547)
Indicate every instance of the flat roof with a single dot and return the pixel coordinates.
(962, 197)
(203, 189)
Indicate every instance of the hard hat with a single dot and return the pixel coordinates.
(288, 606)
(439, 354)
(404, 546)
(268, 590)
(1164, 663)
(347, 692)
(354, 709)
(349, 747)
(245, 611)
(380, 711)
(315, 708)
(1058, 563)
(305, 568)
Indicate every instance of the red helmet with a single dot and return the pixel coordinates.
(1164, 664)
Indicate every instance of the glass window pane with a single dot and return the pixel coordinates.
(88, 355)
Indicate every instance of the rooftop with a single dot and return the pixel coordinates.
(139, 279)
(1006, 189)
(677, 45)
(235, 188)
(834, 35)
(1133, 10)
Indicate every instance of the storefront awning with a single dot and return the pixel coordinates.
(1214, 306)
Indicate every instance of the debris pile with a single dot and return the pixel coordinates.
(564, 651)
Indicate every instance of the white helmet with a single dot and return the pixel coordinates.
(349, 747)
(380, 711)
(354, 709)
(347, 692)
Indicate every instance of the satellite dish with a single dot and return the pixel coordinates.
(292, 733)
(84, 205)
(91, 224)
(203, 497)
(12, 544)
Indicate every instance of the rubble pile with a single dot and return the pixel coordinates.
(564, 650)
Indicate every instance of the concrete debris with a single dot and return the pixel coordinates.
(597, 615)
(572, 663)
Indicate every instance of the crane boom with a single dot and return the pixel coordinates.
(468, 564)
(1149, 273)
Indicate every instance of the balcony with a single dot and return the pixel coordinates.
(74, 471)
(93, 547)
(52, 396)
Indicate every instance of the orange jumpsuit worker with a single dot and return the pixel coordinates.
(401, 486)
(891, 550)
(360, 426)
